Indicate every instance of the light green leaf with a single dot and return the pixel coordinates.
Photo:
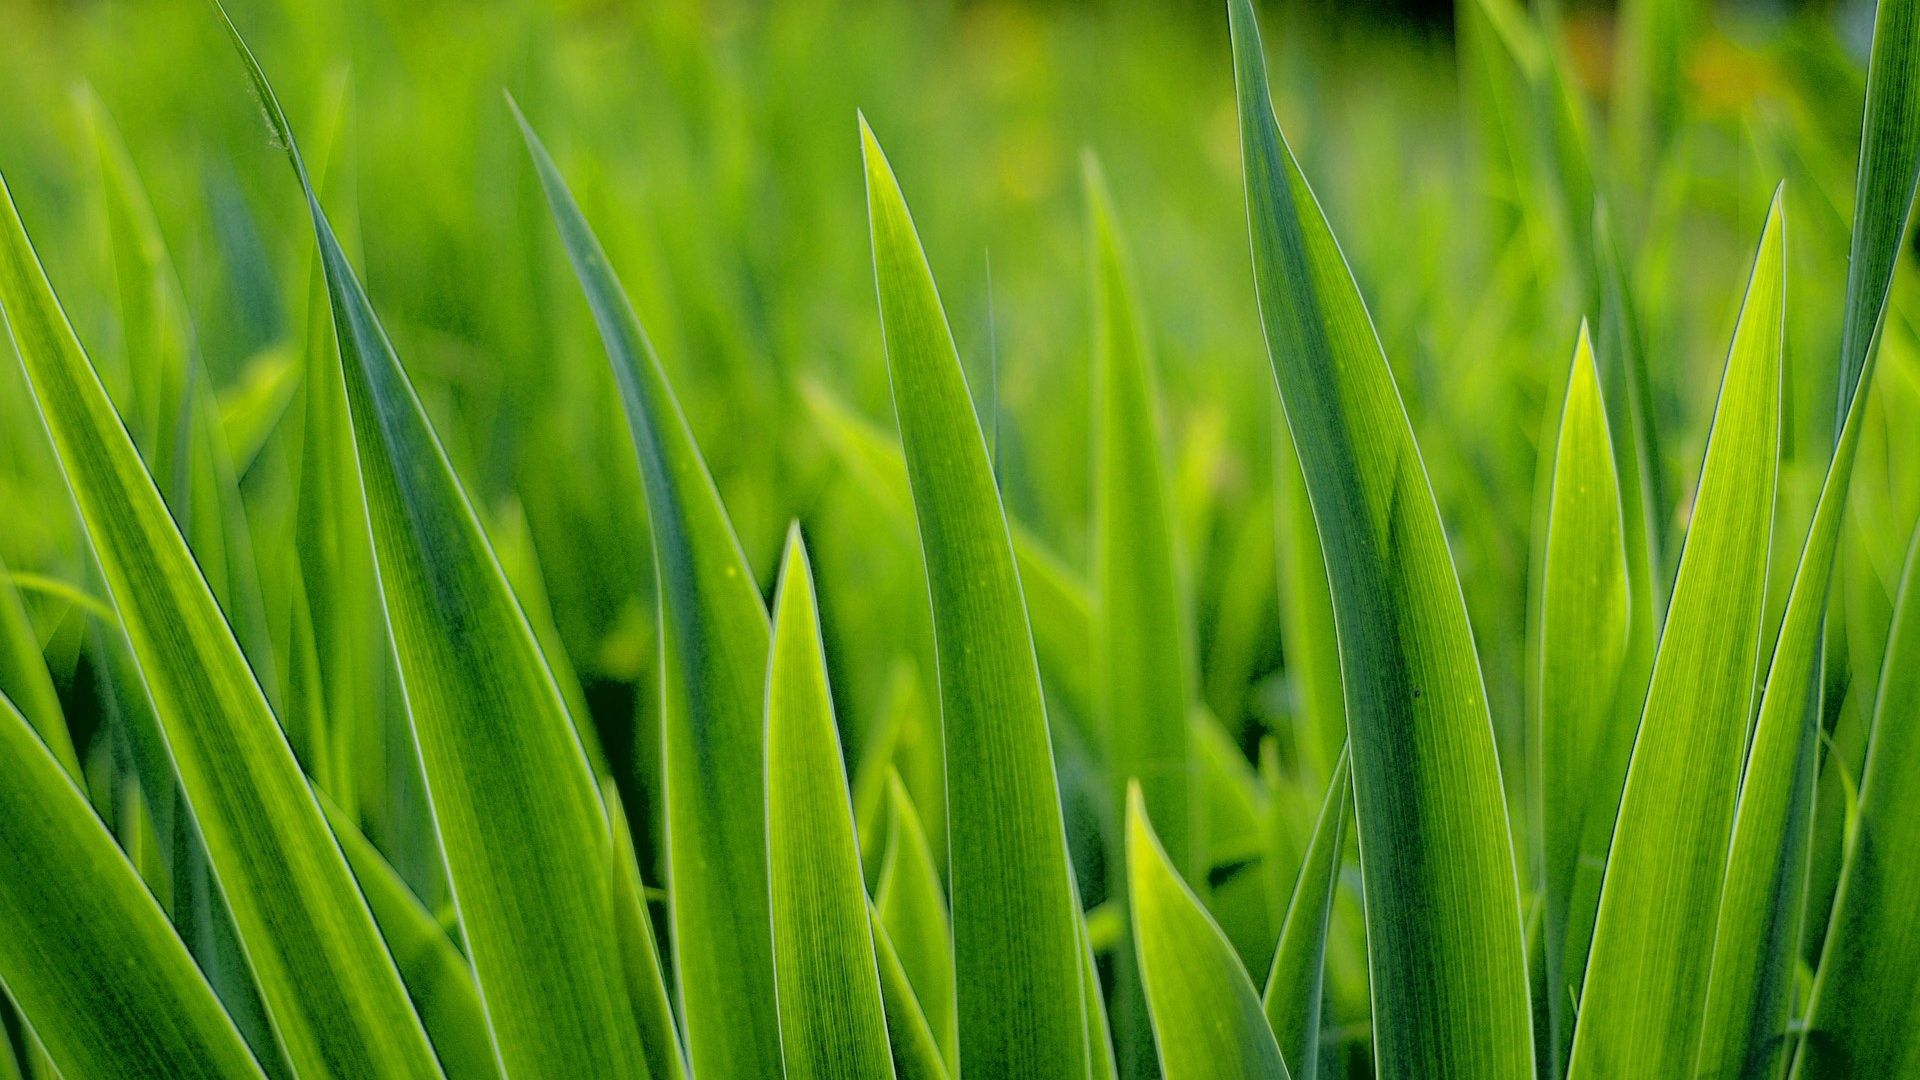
(1443, 909)
(916, 1056)
(1294, 998)
(714, 639)
(24, 677)
(1206, 1015)
(336, 1002)
(1016, 947)
(438, 977)
(1583, 729)
(1640, 1011)
(912, 903)
(100, 974)
(640, 954)
(832, 1024)
(520, 821)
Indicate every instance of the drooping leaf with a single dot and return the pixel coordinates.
(1206, 1015)
(1295, 993)
(88, 955)
(832, 1024)
(714, 637)
(519, 818)
(336, 1002)
(1443, 911)
(1016, 947)
(1640, 1010)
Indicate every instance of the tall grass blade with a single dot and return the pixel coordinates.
(1443, 910)
(1640, 1011)
(916, 1056)
(1206, 1015)
(912, 903)
(640, 954)
(88, 955)
(520, 822)
(714, 637)
(1016, 944)
(832, 1024)
(1294, 1000)
(1586, 709)
(25, 680)
(336, 1002)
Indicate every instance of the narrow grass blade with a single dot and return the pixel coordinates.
(520, 821)
(1866, 996)
(98, 972)
(1640, 1011)
(336, 1002)
(438, 977)
(1307, 632)
(24, 678)
(832, 1024)
(1141, 685)
(1443, 909)
(714, 638)
(912, 903)
(1295, 994)
(1016, 947)
(640, 953)
(1206, 1015)
(916, 1056)
(1583, 732)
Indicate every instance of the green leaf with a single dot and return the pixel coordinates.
(438, 977)
(1206, 1015)
(336, 1002)
(714, 638)
(1140, 677)
(912, 903)
(1016, 945)
(24, 677)
(832, 1024)
(1294, 998)
(1307, 634)
(100, 974)
(1640, 1011)
(640, 954)
(1443, 909)
(520, 821)
(916, 1056)
(1584, 729)
(1866, 996)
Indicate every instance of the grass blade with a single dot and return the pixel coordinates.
(714, 638)
(101, 975)
(520, 821)
(1294, 997)
(916, 1056)
(832, 1024)
(1443, 910)
(1016, 945)
(1206, 1015)
(336, 1002)
(1640, 1011)
(1866, 997)
(640, 954)
(1583, 729)
(912, 904)
(24, 678)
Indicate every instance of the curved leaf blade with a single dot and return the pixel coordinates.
(1206, 1015)
(1293, 1001)
(1640, 1011)
(912, 904)
(101, 975)
(714, 638)
(520, 822)
(329, 985)
(1442, 897)
(832, 1024)
(1016, 946)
